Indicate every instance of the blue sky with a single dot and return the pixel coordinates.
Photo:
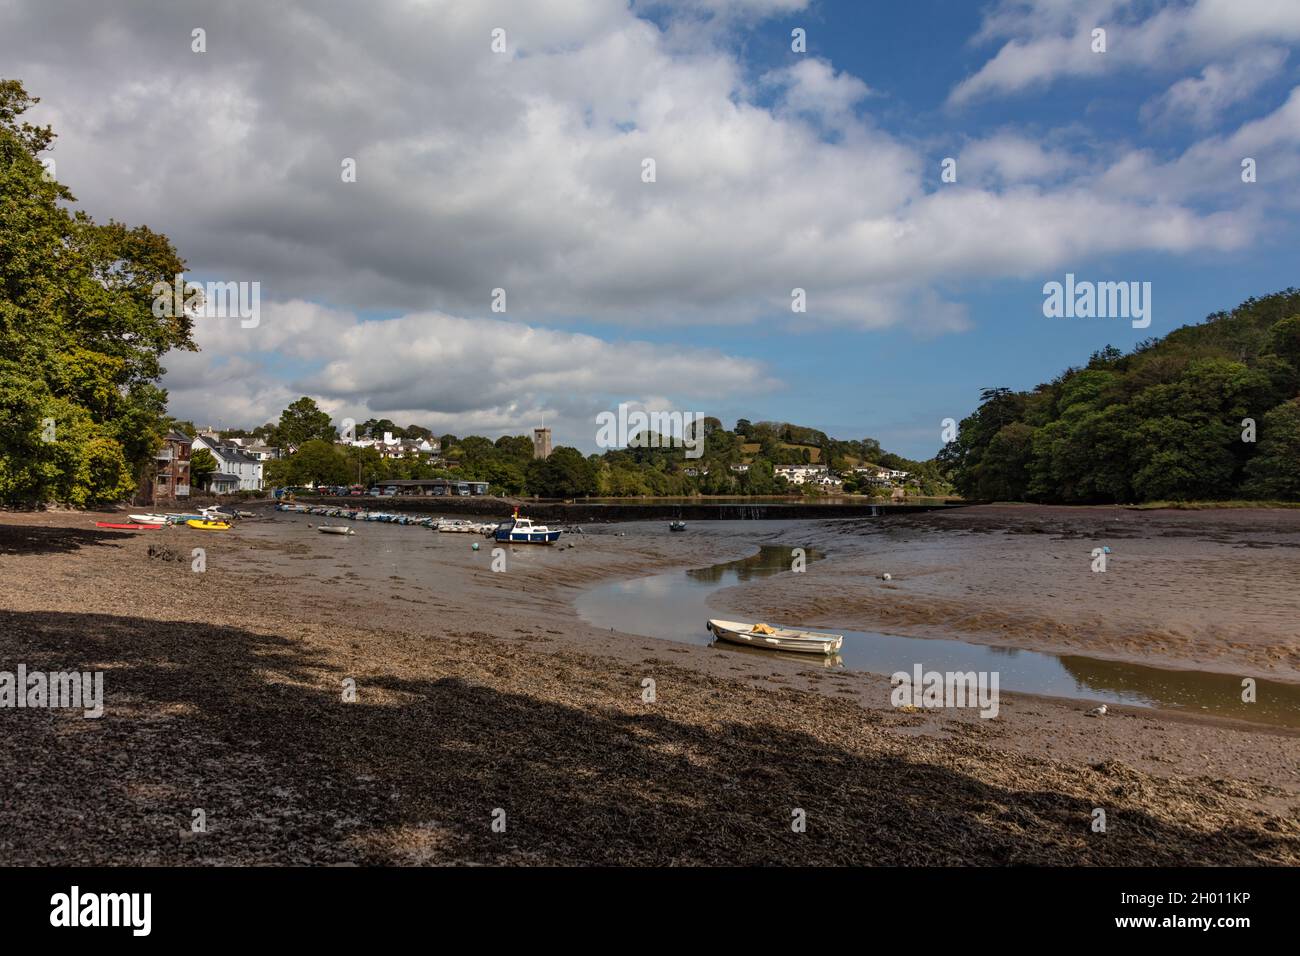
(520, 168)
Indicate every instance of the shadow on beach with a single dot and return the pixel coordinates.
(251, 728)
(28, 539)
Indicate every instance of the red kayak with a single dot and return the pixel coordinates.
(127, 527)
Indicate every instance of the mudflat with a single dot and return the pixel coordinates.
(481, 698)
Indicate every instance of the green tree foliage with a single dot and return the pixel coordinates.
(565, 474)
(303, 421)
(202, 464)
(315, 462)
(1160, 423)
(1274, 472)
(80, 346)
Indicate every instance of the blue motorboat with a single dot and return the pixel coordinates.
(522, 531)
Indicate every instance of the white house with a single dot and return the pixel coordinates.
(390, 447)
(254, 448)
(232, 462)
(798, 474)
(881, 476)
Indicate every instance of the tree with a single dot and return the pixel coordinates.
(80, 343)
(1274, 472)
(318, 462)
(303, 421)
(202, 464)
(565, 474)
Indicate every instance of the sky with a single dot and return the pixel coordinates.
(522, 168)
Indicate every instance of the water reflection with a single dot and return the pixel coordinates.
(770, 559)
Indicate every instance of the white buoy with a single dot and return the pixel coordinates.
(886, 576)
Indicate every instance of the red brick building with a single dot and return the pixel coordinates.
(172, 476)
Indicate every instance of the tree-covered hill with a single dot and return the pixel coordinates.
(1209, 412)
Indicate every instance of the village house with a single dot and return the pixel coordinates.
(236, 470)
(171, 478)
(881, 477)
(798, 474)
(390, 447)
(254, 448)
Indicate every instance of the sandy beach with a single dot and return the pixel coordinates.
(482, 693)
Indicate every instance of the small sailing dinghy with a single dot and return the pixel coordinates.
(208, 525)
(776, 638)
(148, 519)
(122, 526)
(335, 529)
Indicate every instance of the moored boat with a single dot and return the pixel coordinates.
(677, 526)
(148, 519)
(776, 638)
(205, 525)
(123, 526)
(522, 531)
(335, 529)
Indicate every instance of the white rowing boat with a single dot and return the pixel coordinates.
(148, 519)
(776, 638)
(335, 529)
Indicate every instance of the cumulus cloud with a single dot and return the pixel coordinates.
(1009, 158)
(813, 87)
(521, 170)
(451, 373)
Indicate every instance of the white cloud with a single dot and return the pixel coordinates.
(812, 87)
(445, 372)
(1010, 158)
(1201, 99)
(477, 171)
(1050, 39)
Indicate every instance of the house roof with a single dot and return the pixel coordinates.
(227, 452)
(174, 435)
(222, 476)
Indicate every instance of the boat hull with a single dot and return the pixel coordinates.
(208, 525)
(122, 526)
(783, 639)
(528, 537)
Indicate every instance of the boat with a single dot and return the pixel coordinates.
(457, 526)
(203, 525)
(677, 526)
(334, 529)
(148, 519)
(123, 526)
(522, 531)
(776, 638)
